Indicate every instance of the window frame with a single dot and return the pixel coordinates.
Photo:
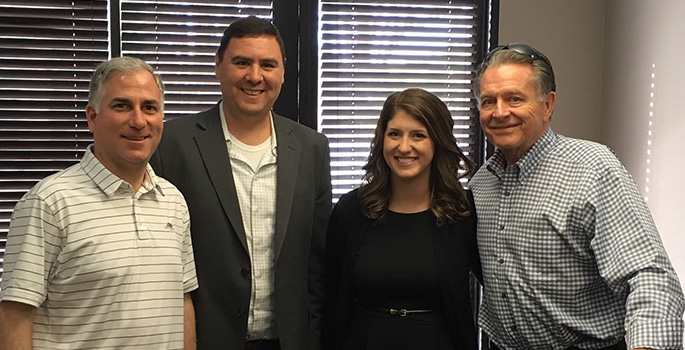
(297, 100)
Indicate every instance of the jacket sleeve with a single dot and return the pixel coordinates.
(337, 243)
(317, 266)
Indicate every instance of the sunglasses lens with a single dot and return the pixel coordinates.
(524, 50)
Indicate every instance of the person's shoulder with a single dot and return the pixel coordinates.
(184, 121)
(348, 212)
(301, 130)
(168, 189)
(352, 196)
(349, 201)
(480, 172)
(482, 177)
(581, 144)
(165, 185)
(590, 153)
(59, 183)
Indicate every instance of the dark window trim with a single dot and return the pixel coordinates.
(297, 100)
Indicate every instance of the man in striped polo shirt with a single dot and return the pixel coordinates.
(99, 255)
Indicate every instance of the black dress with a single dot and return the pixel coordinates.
(404, 262)
(395, 268)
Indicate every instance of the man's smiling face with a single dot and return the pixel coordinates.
(127, 125)
(251, 74)
(511, 113)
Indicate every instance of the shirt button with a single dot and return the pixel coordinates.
(501, 261)
(506, 193)
(240, 313)
(501, 227)
(504, 295)
(243, 272)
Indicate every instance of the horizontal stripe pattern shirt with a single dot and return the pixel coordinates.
(571, 255)
(106, 267)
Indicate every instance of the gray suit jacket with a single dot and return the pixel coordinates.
(193, 156)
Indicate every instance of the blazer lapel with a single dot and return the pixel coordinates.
(212, 147)
(287, 161)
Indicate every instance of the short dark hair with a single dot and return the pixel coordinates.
(247, 27)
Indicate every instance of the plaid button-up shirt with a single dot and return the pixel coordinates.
(571, 255)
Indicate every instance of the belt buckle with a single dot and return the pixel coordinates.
(398, 312)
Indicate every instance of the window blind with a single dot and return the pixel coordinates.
(179, 39)
(371, 48)
(367, 50)
(48, 50)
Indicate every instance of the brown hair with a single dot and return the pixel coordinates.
(448, 200)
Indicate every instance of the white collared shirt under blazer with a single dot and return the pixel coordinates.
(107, 268)
(254, 174)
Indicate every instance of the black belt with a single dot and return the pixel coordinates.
(266, 344)
(400, 312)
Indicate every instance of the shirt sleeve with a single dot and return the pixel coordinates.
(34, 242)
(633, 261)
(189, 274)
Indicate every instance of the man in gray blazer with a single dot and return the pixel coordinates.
(258, 186)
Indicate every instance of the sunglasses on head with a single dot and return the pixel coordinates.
(525, 50)
(520, 48)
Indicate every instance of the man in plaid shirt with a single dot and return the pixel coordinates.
(571, 256)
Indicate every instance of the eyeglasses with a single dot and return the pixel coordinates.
(527, 51)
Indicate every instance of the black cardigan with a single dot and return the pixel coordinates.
(456, 253)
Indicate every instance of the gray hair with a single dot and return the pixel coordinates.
(106, 69)
(542, 70)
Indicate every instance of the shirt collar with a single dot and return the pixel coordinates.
(227, 135)
(527, 164)
(110, 183)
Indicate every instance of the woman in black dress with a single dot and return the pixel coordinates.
(400, 248)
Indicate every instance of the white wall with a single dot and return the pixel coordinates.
(644, 38)
(604, 53)
(570, 33)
